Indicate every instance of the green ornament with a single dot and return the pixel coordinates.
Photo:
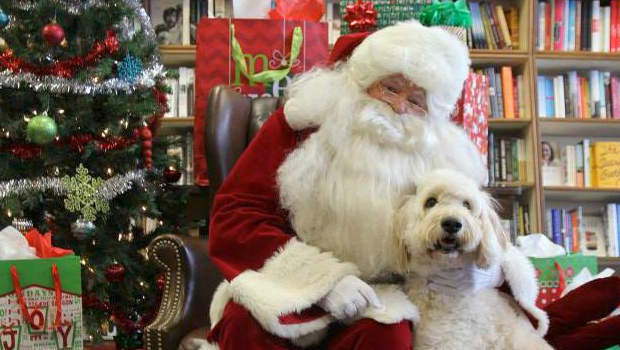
(41, 129)
(84, 194)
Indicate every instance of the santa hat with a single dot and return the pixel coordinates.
(430, 57)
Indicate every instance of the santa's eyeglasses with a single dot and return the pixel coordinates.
(393, 99)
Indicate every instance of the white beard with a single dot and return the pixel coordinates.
(344, 183)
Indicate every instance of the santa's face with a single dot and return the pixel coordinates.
(402, 95)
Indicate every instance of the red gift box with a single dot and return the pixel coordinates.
(472, 111)
(266, 45)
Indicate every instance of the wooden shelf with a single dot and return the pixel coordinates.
(508, 124)
(177, 123)
(495, 57)
(558, 61)
(579, 194)
(577, 55)
(509, 188)
(178, 55)
(579, 127)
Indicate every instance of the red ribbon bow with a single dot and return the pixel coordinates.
(361, 16)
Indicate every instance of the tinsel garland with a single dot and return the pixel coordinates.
(65, 68)
(150, 74)
(111, 188)
(76, 142)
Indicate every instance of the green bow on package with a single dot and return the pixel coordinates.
(267, 76)
(446, 13)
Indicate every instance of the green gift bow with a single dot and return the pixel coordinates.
(446, 13)
(266, 76)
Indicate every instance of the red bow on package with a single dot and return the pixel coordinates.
(43, 245)
(361, 16)
(299, 10)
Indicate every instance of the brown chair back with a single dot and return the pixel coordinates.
(232, 121)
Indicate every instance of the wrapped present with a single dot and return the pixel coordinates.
(472, 110)
(40, 300)
(256, 57)
(555, 273)
(388, 12)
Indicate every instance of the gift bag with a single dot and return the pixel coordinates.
(555, 273)
(472, 110)
(41, 304)
(256, 57)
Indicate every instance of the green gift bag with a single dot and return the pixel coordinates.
(41, 304)
(554, 274)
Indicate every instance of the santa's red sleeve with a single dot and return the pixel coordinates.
(268, 270)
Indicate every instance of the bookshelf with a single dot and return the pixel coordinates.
(530, 62)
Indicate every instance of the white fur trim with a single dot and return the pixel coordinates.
(291, 281)
(430, 57)
(398, 307)
(521, 277)
(197, 344)
(218, 303)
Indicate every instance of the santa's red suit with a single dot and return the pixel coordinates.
(311, 200)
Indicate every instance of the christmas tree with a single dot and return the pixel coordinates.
(81, 93)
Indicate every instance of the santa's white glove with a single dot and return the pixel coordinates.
(349, 298)
(468, 279)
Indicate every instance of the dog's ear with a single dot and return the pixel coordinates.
(494, 239)
(401, 226)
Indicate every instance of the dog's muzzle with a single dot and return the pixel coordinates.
(449, 241)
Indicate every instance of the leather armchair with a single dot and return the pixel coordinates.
(232, 121)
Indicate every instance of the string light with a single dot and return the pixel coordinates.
(120, 237)
(83, 261)
(8, 213)
(144, 208)
(109, 171)
(26, 118)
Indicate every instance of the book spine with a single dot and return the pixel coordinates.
(571, 25)
(507, 91)
(617, 238)
(595, 98)
(607, 37)
(497, 161)
(503, 25)
(565, 25)
(557, 227)
(603, 99)
(513, 25)
(183, 100)
(612, 27)
(614, 98)
(549, 222)
(587, 176)
(540, 38)
(500, 94)
(585, 97)
(522, 160)
(549, 25)
(612, 235)
(491, 162)
(488, 32)
(502, 145)
(515, 94)
(607, 87)
(514, 151)
(493, 25)
(186, 22)
(521, 93)
(578, 24)
(595, 42)
(579, 165)
(565, 96)
(542, 98)
(550, 96)
(493, 93)
(558, 32)
(509, 163)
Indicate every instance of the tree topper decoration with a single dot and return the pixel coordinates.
(84, 195)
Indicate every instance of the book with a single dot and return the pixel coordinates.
(551, 164)
(606, 164)
(167, 17)
(592, 236)
(570, 45)
(503, 24)
(540, 37)
(513, 25)
(508, 93)
(558, 30)
(173, 97)
(612, 230)
(595, 44)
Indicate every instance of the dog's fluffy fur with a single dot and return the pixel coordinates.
(487, 319)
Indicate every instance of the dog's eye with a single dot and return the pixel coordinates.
(431, 202)
(467, 205)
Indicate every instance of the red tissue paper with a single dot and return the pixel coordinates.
(299, 10)
(43, 245)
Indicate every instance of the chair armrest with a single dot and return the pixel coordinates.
(190, 281)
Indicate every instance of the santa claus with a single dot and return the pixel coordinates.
(301, 228)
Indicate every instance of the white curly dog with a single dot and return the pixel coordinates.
(450, 223)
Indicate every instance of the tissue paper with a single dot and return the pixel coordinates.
(14, 246)
(537, 245)
(43, 245)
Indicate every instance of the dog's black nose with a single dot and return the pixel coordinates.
(451, 225)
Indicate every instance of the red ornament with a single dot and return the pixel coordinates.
(115, 273)
(53, 34)
(160, 281)
(172, 174)
(361, 16)
(146, 135)
(105, 307)
(90, 301)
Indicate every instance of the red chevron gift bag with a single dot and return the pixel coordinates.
(256, 57)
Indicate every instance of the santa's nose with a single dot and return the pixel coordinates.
(399, 107)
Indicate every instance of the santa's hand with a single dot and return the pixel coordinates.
(349, 298)
(467, 279)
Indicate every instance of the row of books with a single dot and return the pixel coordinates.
(573, 96)
(175, 21)
(506, 159)
(585, 25)
(585, 164)
(493, 26)
(181, 155)
(182, 92)
(515, 217)
(506, 94)
(594, 234)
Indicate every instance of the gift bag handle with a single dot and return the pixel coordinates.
(22, 301)
(561, 277)
(266, 76)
